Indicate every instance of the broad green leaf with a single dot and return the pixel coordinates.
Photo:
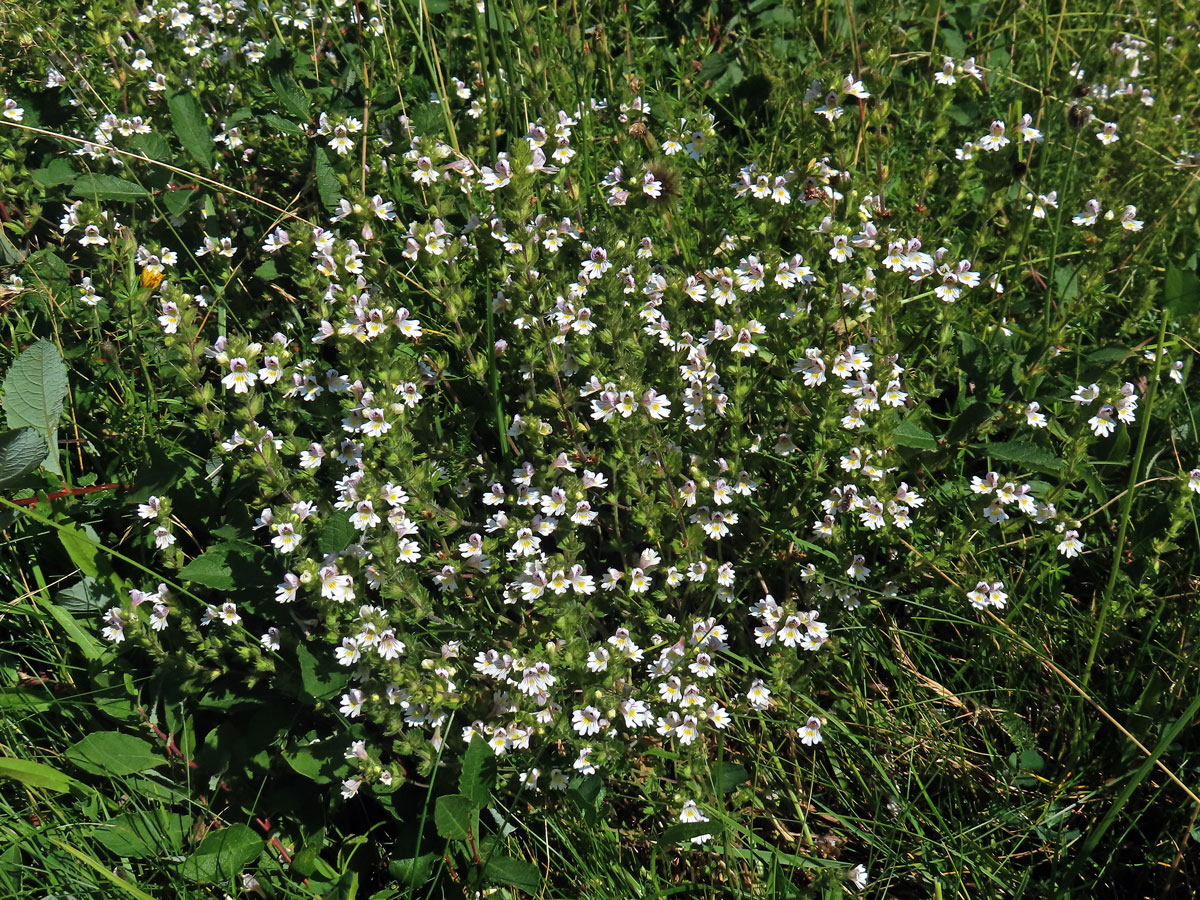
(319, 679)
(57, 171)
(327, 183)
(189, 125)
(318, 761)
(478, 775)
(107, 187)
(136, 834)
(453, 816)
(517, 872)
(910, 434)
(87, 642)
(10, 255)
(222, 854)
(35, 774)
(337, 533)
(113, 753)
(1181, 292)
(21, 451)
(81, 547)
(1025, 454)
(280, 124)
(294, 100)
(86, 596)
(176, 201)
(729, 775)
(34, 389)
(414, 871)
(210, 569)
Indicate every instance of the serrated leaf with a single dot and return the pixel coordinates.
(113, 753)
(910, 434)
(289, 93)
(189, 125)
(210, 569)
(34, 389)
(35, 775)
(107, 187)
(280, 124)
(337, 533)
(1025, 454)
(453, 816)
(327, 183)
(478, 775)
(517, 872)
(21, 451)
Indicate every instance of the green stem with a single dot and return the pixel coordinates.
(1123, 525)
(1064, 198)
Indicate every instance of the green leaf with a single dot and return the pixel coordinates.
(1025, 454)
(453, 816)
(113, 753)
(327, 183)
(478, 775)
(34, 389)
(87, 596)
(337, 534)
(177, 201)
(280, 124)
(189, 125)
(44, 266)
(909, 434)
(320, 680)
(143, 833)
(152, 146)
(318, 761)
(10, 254)
(21, 451)
(1181, 292)
(57, 171)
(517, 872)
(685, 831)
(294, 100)
(974, 415)
(210, 569)
(107, 187)
(222, 854)
(81, 547)
(414, 871)
(267, 271)
(728, 776)
(88, 644)
(35, 774)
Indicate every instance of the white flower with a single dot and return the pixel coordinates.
(810, 732)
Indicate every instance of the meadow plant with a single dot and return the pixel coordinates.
(578, 445)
